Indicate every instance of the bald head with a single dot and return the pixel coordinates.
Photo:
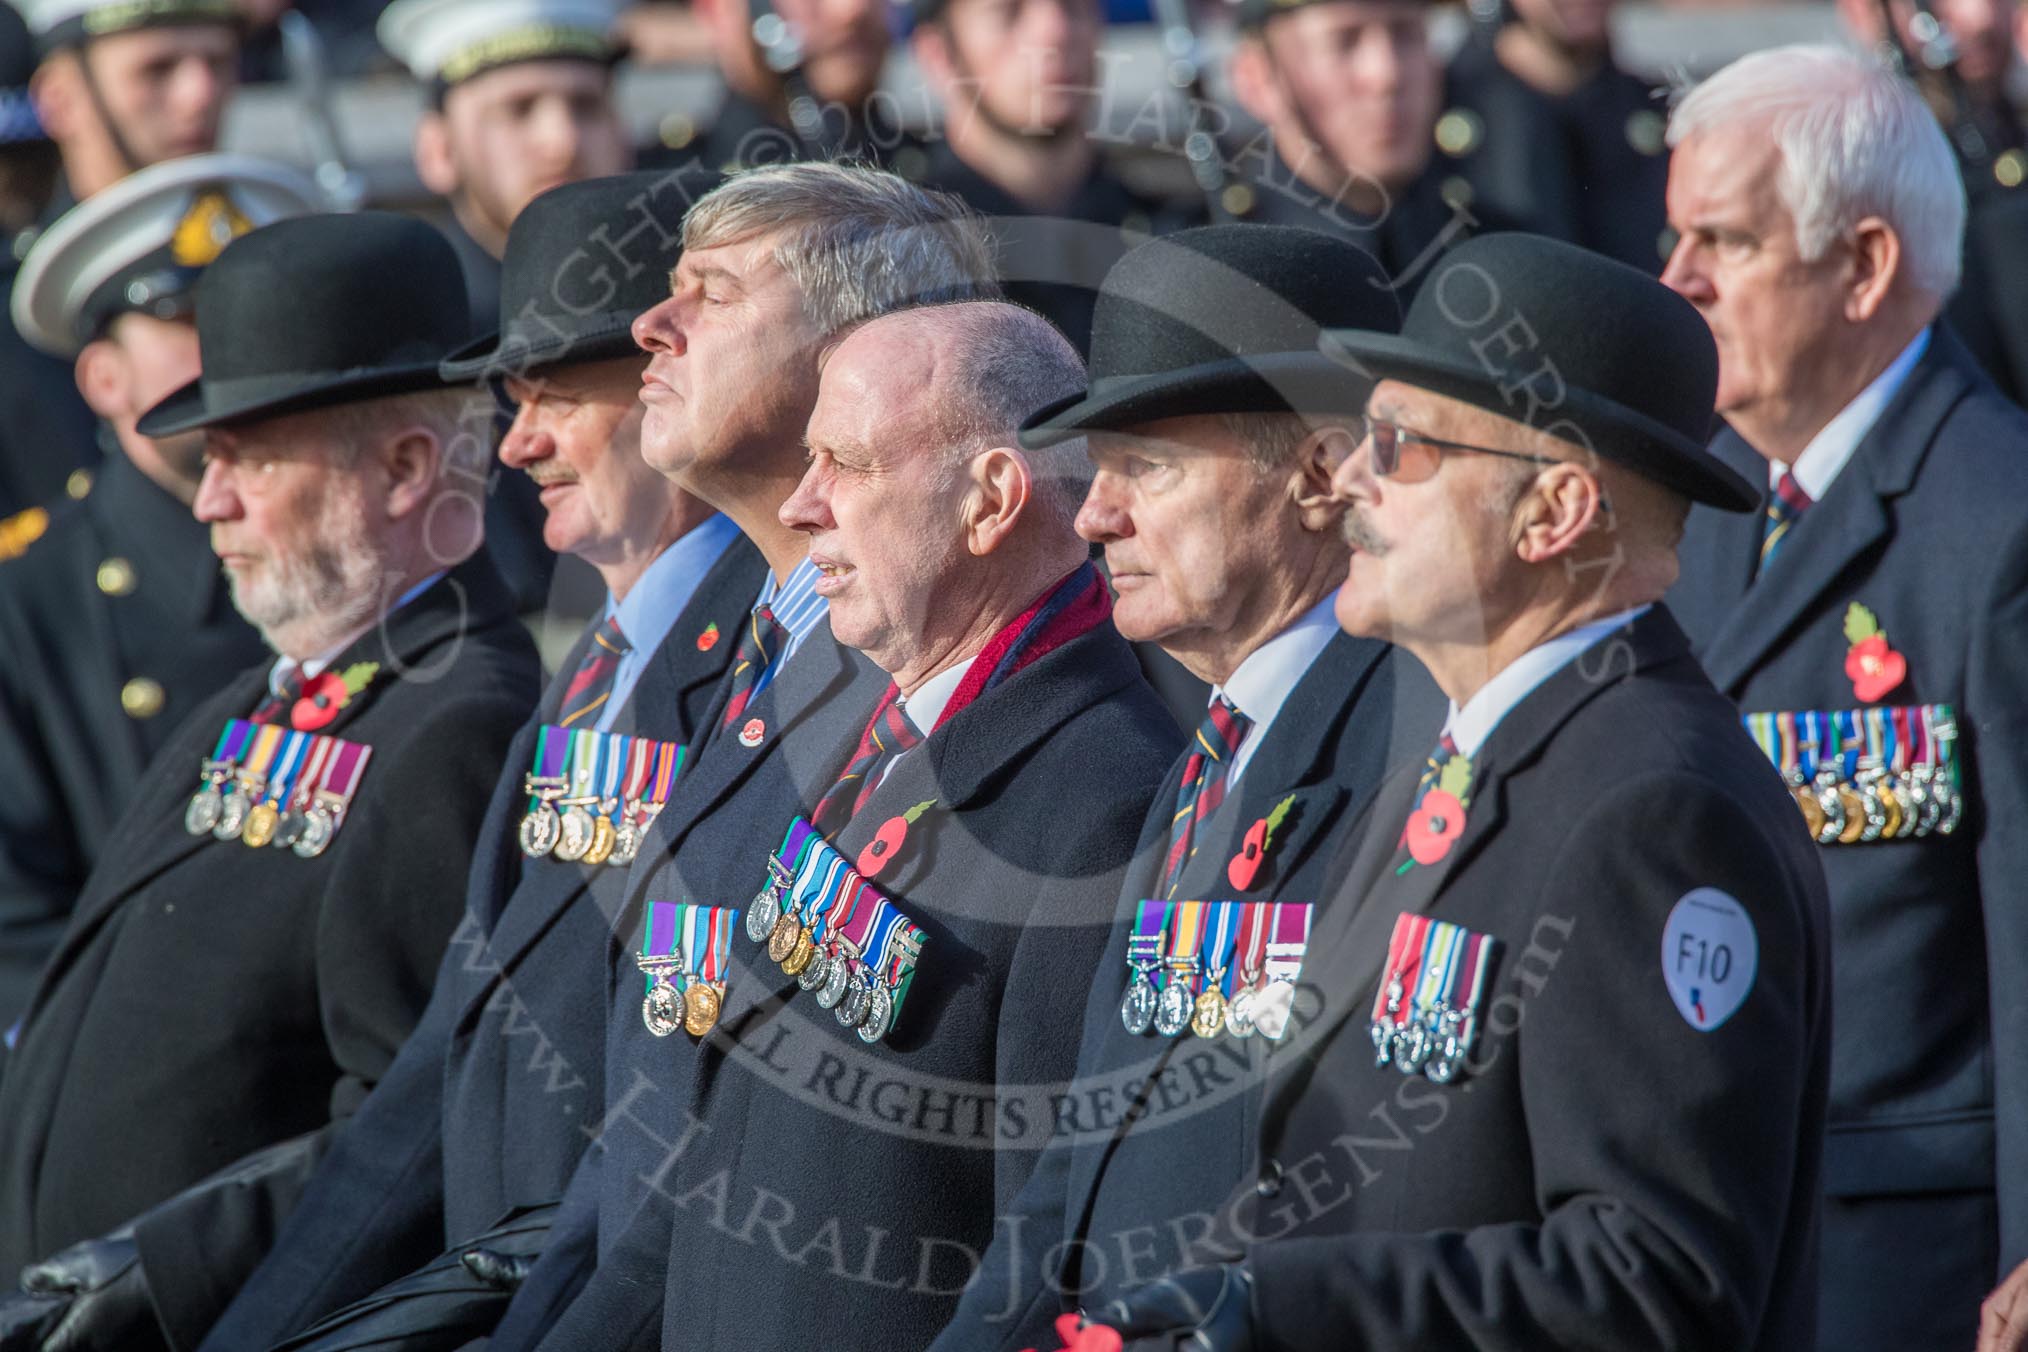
(931, 526)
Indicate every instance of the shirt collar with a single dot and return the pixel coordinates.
(1262, 683)
(1470, 726)
(1835, 443)
(797, 607)
(930, 700)
(665, 586)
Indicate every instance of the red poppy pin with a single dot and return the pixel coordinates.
(1078, 1336)
(1439, 819)
(888, 840)
(1244, 869)
(327, 692)
(1874, 668)
(708, 640)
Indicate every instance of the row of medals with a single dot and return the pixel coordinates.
(1877, 804)
(858, 999)
(610, 835)
(694, 1009)
(1173, 1009)
(228, 811)
(1431, 1043)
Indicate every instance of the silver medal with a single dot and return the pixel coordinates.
(662, 1011)
(816, 972)
(1137, 1006)
(232, 814)
(763, 913)
(575, 835)
(539, 830)
(837, 980)
(1239, 1014)
(1174, 1008)
(626, 844)
(879, 1014)
(858, 1000)
(317, 829)
(289, 831)
(206, 805)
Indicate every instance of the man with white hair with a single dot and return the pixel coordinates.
(1872, 624)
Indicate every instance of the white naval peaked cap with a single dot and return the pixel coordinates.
(59, 23)
(140, 245)
(452, 40)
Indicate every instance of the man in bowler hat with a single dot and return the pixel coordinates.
(466, 1129)
(1870, 621)
(1556, 1070)
(259, 938)
(1214, 424)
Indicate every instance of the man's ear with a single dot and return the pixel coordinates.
(1555, 513)
(1876, 266)
(1001, 487)
(102, 378)
(930, 44)
(433, 161)
(1253, 81)
(412, 459)
(1317, 462)
(56, 89)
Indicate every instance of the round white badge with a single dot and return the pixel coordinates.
(1709, 956)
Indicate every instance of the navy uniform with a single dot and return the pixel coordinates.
(1590, 165)
(1327, 716)
(1557, 1050)
(117, 620)
(1891, 610)
(236, 997)
(508, 1037)
(49, 433)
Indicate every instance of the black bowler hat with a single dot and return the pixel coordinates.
(584, 261)
(316, 311)
(1223, 319)
(1544, 332)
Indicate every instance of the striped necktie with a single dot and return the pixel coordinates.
(276, 704)
(1433, 768)
(758, 648)
(888, 735)
(592, 684)
(1785, 507)
(1204, 779)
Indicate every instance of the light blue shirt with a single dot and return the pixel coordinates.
(797, 608)
(653, 603)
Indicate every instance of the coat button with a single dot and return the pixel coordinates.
(78, 485)
(142, 698)
(1270, 1184)
(116, 577)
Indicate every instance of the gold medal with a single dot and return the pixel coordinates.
(1813, 815)
(701, 1004)
(1209, 1014)
(782, 939)
(1855, 815)
(260, 825)
(604, 837)
(805, 948)
(1890, 804)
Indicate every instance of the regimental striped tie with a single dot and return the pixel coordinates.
(592, 684)
(276, 704)
(887, 735)
(1433, 768)
(1204, 780)
(758, 648)
(1785, 507)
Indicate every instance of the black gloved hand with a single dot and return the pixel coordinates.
(104, 1297)
(506, 1271)
(1202, 1310)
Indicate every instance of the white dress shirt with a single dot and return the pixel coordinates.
(1470, 726)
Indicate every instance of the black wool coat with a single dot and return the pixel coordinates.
(210, 1000)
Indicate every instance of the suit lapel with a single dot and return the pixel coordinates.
(1348, 945)
(1849, 523)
